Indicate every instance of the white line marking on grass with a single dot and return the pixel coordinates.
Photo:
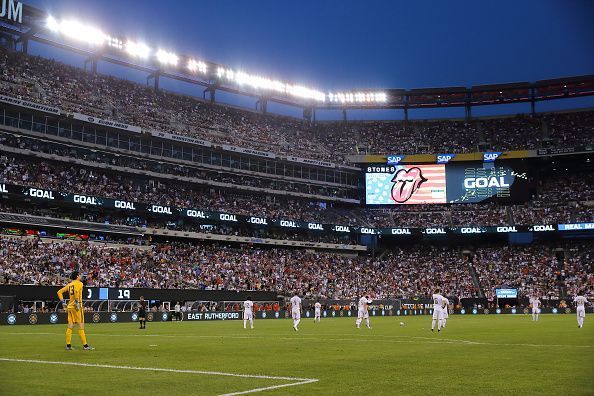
(296, 381)
(359, 338)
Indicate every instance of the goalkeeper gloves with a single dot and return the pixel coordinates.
(77, 305)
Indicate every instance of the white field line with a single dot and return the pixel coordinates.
(296, 381)
(361, 338)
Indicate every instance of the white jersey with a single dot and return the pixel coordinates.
(318, 307)
(248, 306)
(580, 301)
(296, 303)
(363, 302)
(535, 303)
(437, 301)
(445, 308)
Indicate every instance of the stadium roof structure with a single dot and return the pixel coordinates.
(21, 23)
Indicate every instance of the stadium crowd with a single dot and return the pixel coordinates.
(73, 89)
(400, 273)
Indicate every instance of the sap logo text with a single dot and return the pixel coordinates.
(125, 205)
(196, 213)
(161, 209)
(83, 199)
(435, 231)
(227, 217)
(258, 220)
(38, 193)
(490, 157)
(395, 159)
(288, 223)
(3, 188)
(507, 229)
(444, 158)
(400, 231)
(471, 230)
(315, 226)
(485, 182)
(12, 11)
(369, 231)
(538, 228)
(340, 228)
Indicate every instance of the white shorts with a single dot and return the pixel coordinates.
(445, 314)
(362, 314)
(318, 313)
(535, 310)
(248, 316)
(581, 312)
(437, 313)
(296, 314)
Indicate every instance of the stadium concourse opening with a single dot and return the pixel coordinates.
(190, 226)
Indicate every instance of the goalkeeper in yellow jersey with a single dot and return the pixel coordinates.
(74, 309)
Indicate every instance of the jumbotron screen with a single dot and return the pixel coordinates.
(468, 182)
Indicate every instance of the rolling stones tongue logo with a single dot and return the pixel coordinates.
(406, 182)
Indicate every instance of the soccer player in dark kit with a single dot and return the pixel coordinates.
(142, 313)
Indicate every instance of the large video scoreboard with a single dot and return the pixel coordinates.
(457, 182)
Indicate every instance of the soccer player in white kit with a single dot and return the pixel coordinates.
(437, 310)
(580, 302)
(535, 308)
(296, 311)
(363, 311)
(445, 313)
(317, 311)
(248, 314)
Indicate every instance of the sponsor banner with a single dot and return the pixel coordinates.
(311, 162)
(444, 158)
(108, 123)
(491, 156)
(29, 105)
(576, 227)
(247, 151)
(183, 139)
(220, 217)
(506, 293)
(394, 159)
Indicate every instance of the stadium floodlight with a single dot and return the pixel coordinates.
(77, 31)
(139, 50)
(167, 58)
(194, 65)
(115, 42)
(357, 97)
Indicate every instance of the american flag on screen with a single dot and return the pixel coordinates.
(409, 184)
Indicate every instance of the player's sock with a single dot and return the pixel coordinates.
(251, 323)
(83, 337)
(68, 336)
(367, 323)
(439, 325)
(244, 323)
(433, 325)
(358, 322)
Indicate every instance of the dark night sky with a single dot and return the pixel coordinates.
(333, 45)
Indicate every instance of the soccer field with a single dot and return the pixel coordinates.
(475, 354)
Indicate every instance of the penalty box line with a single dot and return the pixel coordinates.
(296, 381)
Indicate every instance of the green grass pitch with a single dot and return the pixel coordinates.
(503, 354)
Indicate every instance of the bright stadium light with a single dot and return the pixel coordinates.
(195, 66)
(357, 97)
(167, 58)
(139, 50)
(77, 31)
(115, 42)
